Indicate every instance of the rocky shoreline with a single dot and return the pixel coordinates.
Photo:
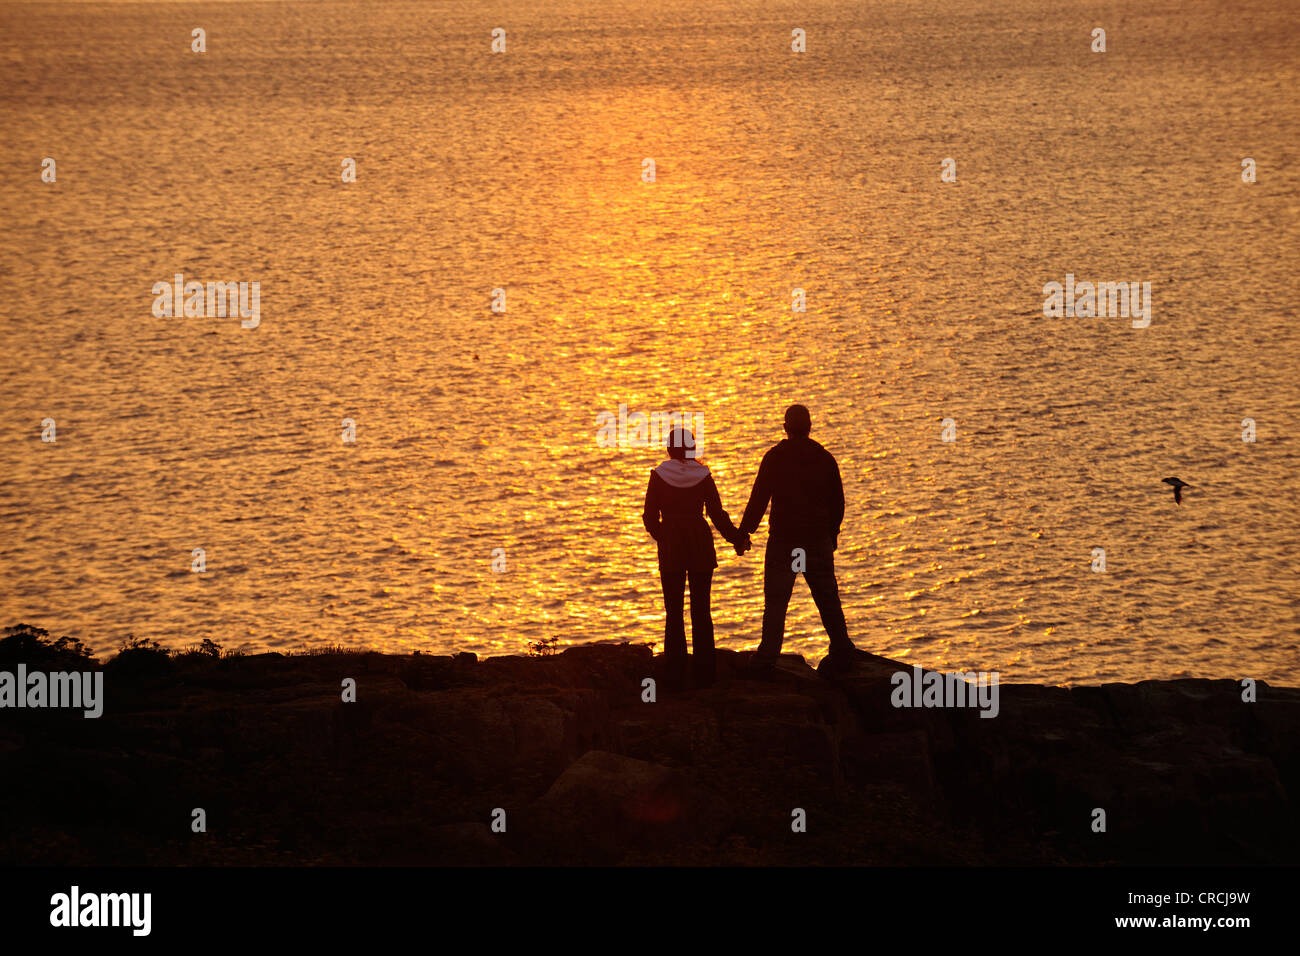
(566, 752)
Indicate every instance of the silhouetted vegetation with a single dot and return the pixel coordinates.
(140, 658)
(26, 644)
(322, 650)
(205, 650)
(543, 648)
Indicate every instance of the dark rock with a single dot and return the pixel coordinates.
(605, 804)
(589, 772)
(901, 759)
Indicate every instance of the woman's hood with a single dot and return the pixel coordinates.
(682, 473)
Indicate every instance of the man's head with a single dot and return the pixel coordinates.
(680, 442)
(797, 421)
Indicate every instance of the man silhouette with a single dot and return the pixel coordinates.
(802, 481)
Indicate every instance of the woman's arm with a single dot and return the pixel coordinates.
(650, 516)
(721, 520)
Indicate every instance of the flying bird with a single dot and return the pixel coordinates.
(1179, 485)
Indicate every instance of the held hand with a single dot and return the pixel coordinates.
(743, 544)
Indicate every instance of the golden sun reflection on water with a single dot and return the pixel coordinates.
(477, 430)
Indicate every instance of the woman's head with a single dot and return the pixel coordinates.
(681, 441)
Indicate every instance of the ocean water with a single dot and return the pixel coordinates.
(477, 430)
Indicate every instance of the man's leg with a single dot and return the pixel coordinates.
(674, 585)
(778, 582)
(702, 655)
(826, 594)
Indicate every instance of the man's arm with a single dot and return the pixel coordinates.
(837, 499)
(758, 498)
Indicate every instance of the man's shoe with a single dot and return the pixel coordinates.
(758, 665)
(841, 659)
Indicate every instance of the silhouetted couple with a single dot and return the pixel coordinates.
(802, 482)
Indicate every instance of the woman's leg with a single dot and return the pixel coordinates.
(674, 585)
(705, 660)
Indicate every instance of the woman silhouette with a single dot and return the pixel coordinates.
(680, 490)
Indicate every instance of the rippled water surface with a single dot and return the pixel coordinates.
(477, 430)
